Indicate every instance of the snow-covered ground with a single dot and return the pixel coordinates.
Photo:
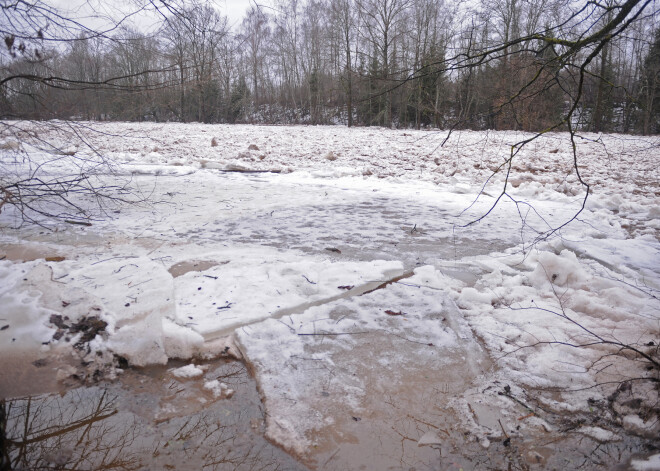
(341, 266)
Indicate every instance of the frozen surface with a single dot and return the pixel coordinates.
(356, 289)
(347, 360)
(188, 371)
(652, 463)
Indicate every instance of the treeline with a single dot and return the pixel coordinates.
(507, 64)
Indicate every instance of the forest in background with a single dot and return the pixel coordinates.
(507, 64)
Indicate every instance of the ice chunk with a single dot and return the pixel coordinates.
(637, 425)
(188, 371)
(219, 390)
(22, 307)
(429, 438)
(562, 270)
(141, 343)
(180, 342)
(599, 434)
(471, 296)
(652, 463)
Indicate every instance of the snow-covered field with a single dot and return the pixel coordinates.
(339, 265)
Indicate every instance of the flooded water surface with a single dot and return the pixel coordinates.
(150, 420)
(214, 417)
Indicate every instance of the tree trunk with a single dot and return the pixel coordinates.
(599, 109)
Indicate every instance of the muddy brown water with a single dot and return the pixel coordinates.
(181, 268)
(151, 420)
(148, 420)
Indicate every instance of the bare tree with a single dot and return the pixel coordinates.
(255, 33)
(557, 57)
(313, 57)
(286, 49)
(382, 21)
(63, 181)
(344, 22)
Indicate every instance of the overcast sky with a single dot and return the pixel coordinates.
(234, 9)
(85, 10)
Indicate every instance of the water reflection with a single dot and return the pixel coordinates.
(152, 420)
(149, 421)
(82, 430)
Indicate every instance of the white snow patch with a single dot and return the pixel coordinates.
(599, 434)
(180, 342)
(652, 463)
(188, 371)
(649, 428)
(22, 311)
(219, 390)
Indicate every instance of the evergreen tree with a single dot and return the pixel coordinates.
(650, 88)
(240, 95)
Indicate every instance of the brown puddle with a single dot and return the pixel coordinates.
(152, 420)
(181, 268)
(29, 252)
(148, 420)
(25, 372)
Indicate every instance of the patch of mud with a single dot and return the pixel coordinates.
(67, 241)
(29, 252)
(87, 327)
(149, 420)
(29, 372)
(67, 362)
(181, 268)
